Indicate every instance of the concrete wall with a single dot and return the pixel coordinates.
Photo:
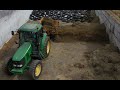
(112, 24)
(11, 20)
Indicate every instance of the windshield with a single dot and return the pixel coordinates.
(28, 36)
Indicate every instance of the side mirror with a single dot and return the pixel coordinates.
(18, 31)
(12, 32)
(16, 42)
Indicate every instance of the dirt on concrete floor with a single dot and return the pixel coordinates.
(105, 63)
(67, 61)
(81, 52)
(7, 46)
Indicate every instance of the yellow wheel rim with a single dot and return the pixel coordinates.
(48, 47)
(38, 70)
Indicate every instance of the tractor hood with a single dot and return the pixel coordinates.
(22, 51)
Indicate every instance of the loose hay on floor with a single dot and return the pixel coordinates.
(105, 63)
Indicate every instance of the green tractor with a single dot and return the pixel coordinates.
(34, 46)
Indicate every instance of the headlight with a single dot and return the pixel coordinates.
(14, 65)
(19, 64)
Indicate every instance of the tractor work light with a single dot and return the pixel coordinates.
(18, 64)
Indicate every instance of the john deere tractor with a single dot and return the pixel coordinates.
(34, 46)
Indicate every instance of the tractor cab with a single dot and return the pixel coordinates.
(30, 32)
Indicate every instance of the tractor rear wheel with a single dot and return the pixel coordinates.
(47, 47)
(52, 37)
(9, 67)
(35, 69)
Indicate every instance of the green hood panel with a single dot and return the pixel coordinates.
(22, 51)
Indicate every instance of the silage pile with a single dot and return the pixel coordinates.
(84, 31)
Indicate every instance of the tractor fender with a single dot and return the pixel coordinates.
(43, 42)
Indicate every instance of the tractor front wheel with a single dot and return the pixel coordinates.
(8, 67)
(35, 69)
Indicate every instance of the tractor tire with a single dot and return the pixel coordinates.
(35, 69)
(52, 37)
(47, 47)
(8, 67)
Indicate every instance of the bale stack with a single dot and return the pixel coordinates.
(63, 15)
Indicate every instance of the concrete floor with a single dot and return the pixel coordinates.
(66, 61)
